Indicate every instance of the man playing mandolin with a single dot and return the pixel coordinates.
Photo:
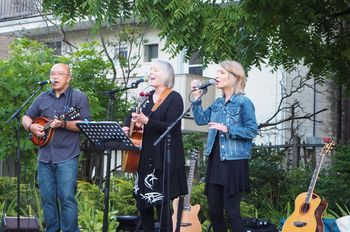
(58, 155)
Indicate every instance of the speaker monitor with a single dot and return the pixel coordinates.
(29, 224)
(259, 225)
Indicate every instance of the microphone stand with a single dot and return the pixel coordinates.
(110, 110)
(168, 152)
(17, 115)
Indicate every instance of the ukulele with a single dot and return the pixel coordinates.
(309, 208)
(130, 159)
(189, 215)
(72, 113)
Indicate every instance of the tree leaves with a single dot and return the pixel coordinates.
(282, 32)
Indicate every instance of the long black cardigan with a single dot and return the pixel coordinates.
(159, 120)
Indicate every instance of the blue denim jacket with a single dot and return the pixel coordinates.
(238, 115)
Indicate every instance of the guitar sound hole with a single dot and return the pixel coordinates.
(186, 224)
(299, 224)
(305, 208)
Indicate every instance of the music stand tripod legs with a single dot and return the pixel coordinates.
(106, 136)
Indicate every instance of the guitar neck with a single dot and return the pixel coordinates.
(314, 179)
(47, 125)
(132, 123)
(187, 200)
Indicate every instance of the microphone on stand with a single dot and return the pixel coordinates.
(136, 83)
(51, 81)
(206, 84)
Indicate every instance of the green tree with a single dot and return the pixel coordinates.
(31, 61)
(278, 33)
(333, 183)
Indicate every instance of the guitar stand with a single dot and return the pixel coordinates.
(106, 136)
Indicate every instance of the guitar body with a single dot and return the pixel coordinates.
(189, 219)
(49, 132)
(306, 220)
(72, 113)
(130, 159)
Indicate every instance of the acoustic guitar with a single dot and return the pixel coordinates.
(72, 113)
(130, 159)
(189, 215)
(309, 208)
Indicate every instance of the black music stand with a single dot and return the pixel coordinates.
(106, 136)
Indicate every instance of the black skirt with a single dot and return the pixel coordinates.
(151, 185)
(233, 174)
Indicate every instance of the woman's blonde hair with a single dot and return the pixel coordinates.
(235, 69)
(168, 76)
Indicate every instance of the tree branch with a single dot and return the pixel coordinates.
(306, 116)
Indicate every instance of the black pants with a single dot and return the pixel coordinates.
(148, 220)
(218, 201)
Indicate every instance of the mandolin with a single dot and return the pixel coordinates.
(72, 113)
(309, 207)
(130, 159)
(189, 215)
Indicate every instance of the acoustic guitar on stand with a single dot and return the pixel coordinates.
(189, 216)
(72, 113)
(130, 159)
(309, 207)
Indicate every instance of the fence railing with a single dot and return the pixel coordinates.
(297, 152)
(16, 9)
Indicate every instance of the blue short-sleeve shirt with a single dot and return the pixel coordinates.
(65, 144)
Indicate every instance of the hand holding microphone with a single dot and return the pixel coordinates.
(196, 86)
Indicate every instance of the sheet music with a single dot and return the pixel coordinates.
(106, 134)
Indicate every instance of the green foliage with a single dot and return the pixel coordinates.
(198, 197)
(121, 197)
(273, 188)
(98, 10)
(263, 181)
(29, 198)
(29, 61)
(255, 32)
(333, 184)
(196, 141)
(90, 74)
(280, 33)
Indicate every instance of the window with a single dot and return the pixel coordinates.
(56, 46)
(121, 56)
(195, 64)
(151, 52)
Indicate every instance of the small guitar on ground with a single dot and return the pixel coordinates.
(189, 214)
(72, 113)
(309, 207)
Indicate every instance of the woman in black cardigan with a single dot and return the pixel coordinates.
(163, 108)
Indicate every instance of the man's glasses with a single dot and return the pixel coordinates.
(58, 74)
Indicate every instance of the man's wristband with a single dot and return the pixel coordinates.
(64, 124)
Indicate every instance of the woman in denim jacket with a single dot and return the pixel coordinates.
(232, 126)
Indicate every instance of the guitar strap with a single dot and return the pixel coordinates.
(161, 98)
(68, 101)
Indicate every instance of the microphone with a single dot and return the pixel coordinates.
(206, 84)
(45, 82)
(136, 83)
